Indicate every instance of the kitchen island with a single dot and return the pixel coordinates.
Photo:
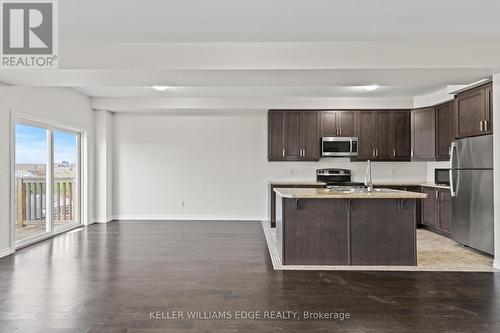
(320, 226)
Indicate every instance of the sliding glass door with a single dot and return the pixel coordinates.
(65, 179)
(47, 181)
(32, 170)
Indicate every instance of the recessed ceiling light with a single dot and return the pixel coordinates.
(371, 87)
(160, 88)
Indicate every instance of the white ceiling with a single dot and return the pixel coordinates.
(258, 92)
(278, 20)
(273, 51)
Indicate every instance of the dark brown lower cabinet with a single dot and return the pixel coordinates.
(445, 211)
(436, 210)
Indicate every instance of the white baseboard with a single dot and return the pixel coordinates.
(5, 252)
(187, 218)
(104, 220)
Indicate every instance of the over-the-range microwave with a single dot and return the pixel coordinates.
(334, 146)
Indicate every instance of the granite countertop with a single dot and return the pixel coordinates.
(447, 187)
(389, 182)
(396, 182)
(295, 182)
(323, 193)
(407, 183)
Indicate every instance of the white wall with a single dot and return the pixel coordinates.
(61, 105)
(103, 199)
(496, 164)
(216, 162)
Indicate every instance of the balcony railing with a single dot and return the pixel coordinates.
(31, 199)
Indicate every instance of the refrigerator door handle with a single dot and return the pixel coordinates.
(453, 149)
(453, 191)
(452, 162)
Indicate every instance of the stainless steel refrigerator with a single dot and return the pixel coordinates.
(471, 181)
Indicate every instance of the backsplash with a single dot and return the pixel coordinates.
(409, 171)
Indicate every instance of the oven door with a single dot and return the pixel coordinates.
(339, 147)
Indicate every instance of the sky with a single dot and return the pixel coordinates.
(31, 145)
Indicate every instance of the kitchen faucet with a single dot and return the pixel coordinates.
(368, 176)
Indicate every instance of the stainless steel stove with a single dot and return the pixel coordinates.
(336, 178)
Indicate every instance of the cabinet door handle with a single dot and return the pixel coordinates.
(481, 126)
(394, 152)
(485, 125)
(412, 153)
(283, 152)
(340, 131)
(437, 194)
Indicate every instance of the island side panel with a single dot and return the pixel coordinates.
(382, 233)
(272, 206)
(279, 227)
(315, 232)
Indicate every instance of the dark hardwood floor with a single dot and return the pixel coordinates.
(108, 278)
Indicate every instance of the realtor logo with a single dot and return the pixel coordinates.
(29, 33)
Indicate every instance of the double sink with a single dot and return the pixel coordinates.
(349, 189)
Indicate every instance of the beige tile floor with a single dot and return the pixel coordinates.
(434, 253)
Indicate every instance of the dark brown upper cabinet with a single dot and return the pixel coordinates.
(328, 123)
(383, 139)
(310, 136)
(383, 135)
(489, 109)
(276, 135)
(293, 135)
(365, 131)
(423, 134)
(337, 123)
(401, 135)
(444, 130)
(473, 110)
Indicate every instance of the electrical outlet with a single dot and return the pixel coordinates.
(392, 171)
(183, 203)
(290, 171)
